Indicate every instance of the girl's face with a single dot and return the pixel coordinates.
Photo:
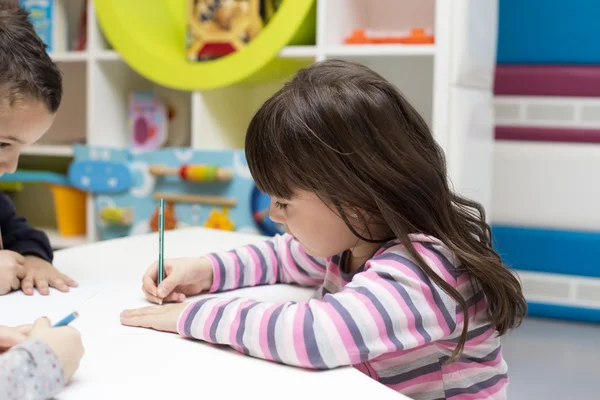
(21, 126)
(320, 230)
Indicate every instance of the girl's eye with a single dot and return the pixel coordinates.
(4, 145)
(281, 206)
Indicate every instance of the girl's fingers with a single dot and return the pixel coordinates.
(149, 280)
(151, 297)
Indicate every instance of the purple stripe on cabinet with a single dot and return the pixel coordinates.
(548, 134)
(547, 80)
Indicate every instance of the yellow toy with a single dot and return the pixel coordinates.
(219, 220)
(220, 27)
(117, 216)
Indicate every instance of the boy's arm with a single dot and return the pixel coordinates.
(280, 259)
(30, 370)
(392, 306)
(18, 235)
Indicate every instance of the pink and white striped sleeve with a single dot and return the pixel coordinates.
(391, 306)
(280, 259)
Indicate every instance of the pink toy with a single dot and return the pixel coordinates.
(148, 121)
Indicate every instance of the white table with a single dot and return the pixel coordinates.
(127, 363)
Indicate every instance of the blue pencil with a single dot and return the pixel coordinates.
(161, 245)
(66, 320)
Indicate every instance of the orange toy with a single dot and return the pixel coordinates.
(170, 218)
(415, 36)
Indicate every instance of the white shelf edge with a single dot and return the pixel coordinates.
(58, 241)
(287, 52)
(70, 56)
(48, 150)
(366, 50)
(107, 55)
(298, 52)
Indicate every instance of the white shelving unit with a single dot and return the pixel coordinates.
(448, 82)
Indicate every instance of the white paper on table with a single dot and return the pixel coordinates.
(101, 315)
(17, 308)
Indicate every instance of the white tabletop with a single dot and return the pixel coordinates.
(125, 363)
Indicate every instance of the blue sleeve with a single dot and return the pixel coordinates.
(32, 371)
(18, 235)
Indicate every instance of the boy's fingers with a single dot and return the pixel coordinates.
(20, 270)
(27, 285)
(42, 286)
(15, 283)
(59, 284)
(70, 282)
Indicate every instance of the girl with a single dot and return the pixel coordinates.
(411, 291)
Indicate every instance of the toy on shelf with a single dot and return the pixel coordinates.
(69, 202)
(194, 172)
(170, 219)
(148, 119)
(100, 176)
(217, 28)
(125, 185)
(197, 199)
(117, 216)
(414, 36)
(219, 220)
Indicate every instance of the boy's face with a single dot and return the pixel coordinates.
(21, 126)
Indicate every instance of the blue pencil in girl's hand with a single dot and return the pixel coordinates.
(161, 235)
(66, 320)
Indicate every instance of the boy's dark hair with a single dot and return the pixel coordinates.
(340, 130)
(26, 70)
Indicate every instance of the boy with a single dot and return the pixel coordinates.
(30, 94)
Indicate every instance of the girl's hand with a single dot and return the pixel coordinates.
(42, 274)
(10, 337)
(11, 271)
(159, 318)
(64, 341)
(184, 277)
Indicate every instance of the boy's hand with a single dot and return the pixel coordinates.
(11, 271)
(10, 337)
(43, 275)
(160, 318)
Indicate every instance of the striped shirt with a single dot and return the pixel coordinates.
(388, 319)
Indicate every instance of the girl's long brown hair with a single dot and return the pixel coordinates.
(340, 130)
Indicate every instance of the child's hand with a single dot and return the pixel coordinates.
(10, 337)
(42, 274)
(64, 341)
(11, 271)
(159, 318)
(184, 277)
